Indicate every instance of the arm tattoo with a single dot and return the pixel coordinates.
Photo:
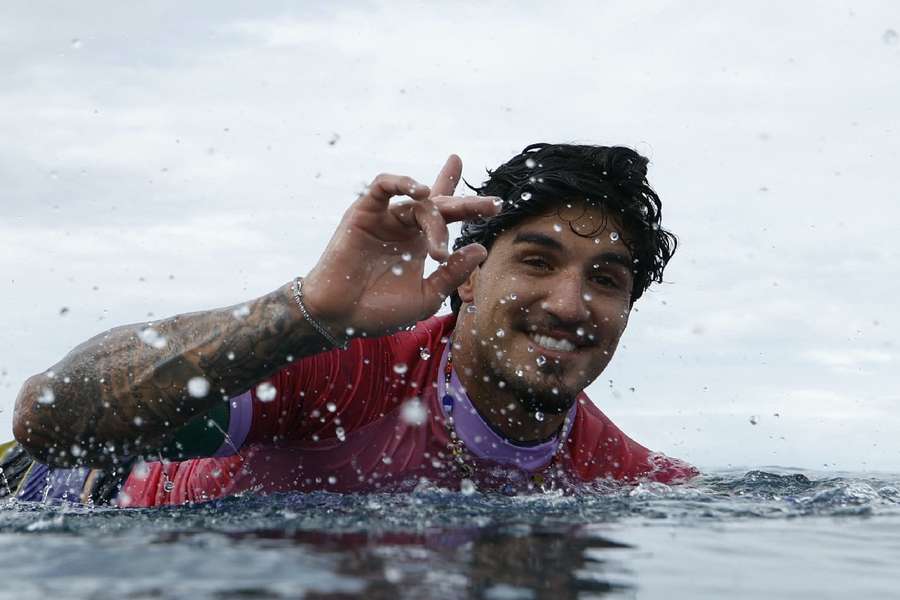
(124, 392)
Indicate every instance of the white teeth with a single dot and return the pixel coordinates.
(545, 341)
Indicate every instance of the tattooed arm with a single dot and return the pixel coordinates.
(119, 394)
(124, 392)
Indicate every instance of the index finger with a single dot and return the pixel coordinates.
(448, 178)
(386, 186)
(466, 208)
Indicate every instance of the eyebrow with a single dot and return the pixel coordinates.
(540, 239)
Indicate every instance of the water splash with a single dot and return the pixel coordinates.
(266, 392)
(152, 338)
(198, 387)
(46, 397)
(584, 539)
(413, 412)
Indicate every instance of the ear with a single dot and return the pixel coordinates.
(467, 290)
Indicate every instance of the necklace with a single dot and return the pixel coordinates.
(457, 447)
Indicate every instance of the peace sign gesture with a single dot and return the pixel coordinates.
(370, 277)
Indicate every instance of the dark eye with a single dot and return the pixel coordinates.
(537, 263)
(605, 280)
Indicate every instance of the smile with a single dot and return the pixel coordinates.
(550, 343)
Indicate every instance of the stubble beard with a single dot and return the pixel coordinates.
(534, 390)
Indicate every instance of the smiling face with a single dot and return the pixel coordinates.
(550, 305)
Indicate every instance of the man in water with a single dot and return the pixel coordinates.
(343, 380)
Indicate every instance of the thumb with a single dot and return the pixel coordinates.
(452, 274)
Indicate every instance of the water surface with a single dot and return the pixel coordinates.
(776, 533)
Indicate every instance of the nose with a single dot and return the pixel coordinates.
(565, 299)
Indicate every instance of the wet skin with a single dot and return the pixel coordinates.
(115, 395)
(541, 277)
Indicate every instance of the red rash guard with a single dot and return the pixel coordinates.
(369, 419)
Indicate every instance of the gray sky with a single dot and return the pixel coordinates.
(164, 159)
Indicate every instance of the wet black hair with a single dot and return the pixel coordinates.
(545, 178)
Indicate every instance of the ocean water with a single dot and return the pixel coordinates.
(773, 533)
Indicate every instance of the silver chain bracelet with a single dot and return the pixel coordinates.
(297, 289)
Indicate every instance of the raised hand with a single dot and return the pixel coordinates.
(370, 279)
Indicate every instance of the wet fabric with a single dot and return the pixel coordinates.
(28, 480)
(370, 418)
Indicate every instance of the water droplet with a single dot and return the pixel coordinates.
(349, 331)
(541, 360)
(198, 387)
(538, 416)
(63, 311)
(76, 450)
(557, 227)
(614, 236)
(580, 332)
(466, 487)
(526, 196)
(332, 479)
(471, 309)
(340, 433)
(397, 270)
(519, 372)
(529, 162)
(137, 421)
(889, 37)
(754, 420)
(266, 392)
(406, 256)
(241, 311)
(424, 353)
(400, 368)
(331, 407)
(230, 355)
(587, 297)
(413, 412)
(141, 470)
(75, 43)
(152, 338)
(500, 333)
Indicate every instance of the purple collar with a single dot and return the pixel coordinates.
(483, 441)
